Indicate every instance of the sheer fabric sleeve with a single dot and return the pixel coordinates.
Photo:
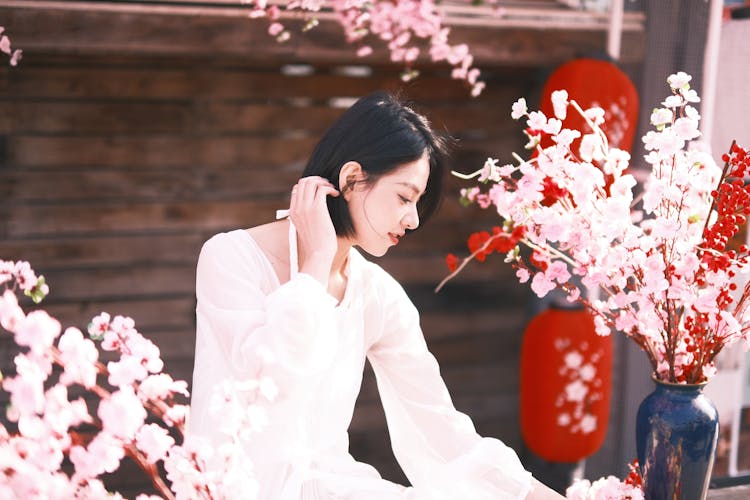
(436, 445)
(292, 323)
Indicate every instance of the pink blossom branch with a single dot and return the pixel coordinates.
(15, 55)
(150, 469)
(468, 259)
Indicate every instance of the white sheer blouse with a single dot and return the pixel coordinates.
(319, 346)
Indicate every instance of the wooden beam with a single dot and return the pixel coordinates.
(141, 29)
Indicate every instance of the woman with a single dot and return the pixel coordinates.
(297, 289)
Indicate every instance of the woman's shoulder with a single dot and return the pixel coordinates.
(252, 240)
(233, 249)
(235, 256)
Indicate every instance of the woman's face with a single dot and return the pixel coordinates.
(383, 211)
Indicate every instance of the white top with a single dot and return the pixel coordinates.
(320, 348)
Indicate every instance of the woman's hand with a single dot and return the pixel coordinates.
(316, 236)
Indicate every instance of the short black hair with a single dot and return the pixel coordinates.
(381, 133)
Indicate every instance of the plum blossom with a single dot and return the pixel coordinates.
(609, 488)
(542, 285)
(519, 109)
(595, 114)
(661, 116)
(99, 326)
(154, 441)
(26, 388)
(60, 413)
(591, 148)
(127, 370)
(673, 101)
(690, 96)
(38, 331)
(679, 80)
(560, 103)
(553, 126)
(10, 313)
(537, 120)
(161, 386)
(79, 357)
(122, 414)
(522, 274)
(686, 128)
(103, 454)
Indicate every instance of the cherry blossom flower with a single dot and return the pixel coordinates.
(154, 441)
(122, 414)
(103, 454)
(560, 103)
(38, 331)
(15, 55)
(519, 109)
(608, 488)
(161, 386)
(78, 356)
(679, 80)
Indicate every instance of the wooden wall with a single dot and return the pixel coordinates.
(114, 170)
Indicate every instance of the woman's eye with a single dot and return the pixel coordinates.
(404, 199)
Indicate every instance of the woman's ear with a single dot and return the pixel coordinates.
(351, 173)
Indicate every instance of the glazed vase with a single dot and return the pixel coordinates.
(677, 429)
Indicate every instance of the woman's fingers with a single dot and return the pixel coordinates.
(311, 189)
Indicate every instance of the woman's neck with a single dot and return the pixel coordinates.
(341, 259)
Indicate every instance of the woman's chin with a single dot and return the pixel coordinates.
(375, 251)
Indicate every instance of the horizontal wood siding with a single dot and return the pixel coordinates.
(113, 171)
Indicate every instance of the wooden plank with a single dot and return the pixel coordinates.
(54, 30)
(104, 250)
(157, 151)
(121, 283)
(122, 217)
(469, 386)
(152, 314)
(118, 184)
(93, 118)
(84, 218)
(161, 117)
(172, 247)
(479, 346)
(138, 118)
(174, 80)
(466, 326)
(174, 345)
(177, 151)
(157, 278)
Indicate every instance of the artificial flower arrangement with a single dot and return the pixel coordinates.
(72, 418)
(653, 263)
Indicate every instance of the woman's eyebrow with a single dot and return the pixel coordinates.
(412, 187)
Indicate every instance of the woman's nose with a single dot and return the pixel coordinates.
(411, 219)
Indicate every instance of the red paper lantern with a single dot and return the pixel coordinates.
(593, 82)
(566, 375)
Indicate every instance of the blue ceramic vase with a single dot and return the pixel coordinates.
(677, 429)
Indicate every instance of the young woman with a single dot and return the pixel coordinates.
(295, 299)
